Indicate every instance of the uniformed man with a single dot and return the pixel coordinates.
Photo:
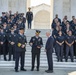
(12, 38)
(74, 33)
(72, 21)
(21, 24)
(60, 46)
(55, 34)
(15, 29)
(4, 17)
(69, 46)
(20, 50)
(75, 46)
(6, 31)
(2, 43)
(29, 17)
(56, 17)
(36, 43)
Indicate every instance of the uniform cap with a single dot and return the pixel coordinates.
(38, 31)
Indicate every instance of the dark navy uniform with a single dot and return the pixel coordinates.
(4, 18)
(29, 17)
(6, 30)
(55, 35)
(2, 46)
(69, 40)
(20, 51)
(75, 43)
(21, 25)
(60, 39)
(36, 42)
(12, 37)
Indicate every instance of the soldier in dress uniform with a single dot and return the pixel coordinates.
(2, 43)
(15, 29)
(6, 31)
(4, 17)
(29, 17)
(20, 50)
(12, 43)
(75, 41)
(75, 46)
(56, 17)
(69, 46)
(36, 43)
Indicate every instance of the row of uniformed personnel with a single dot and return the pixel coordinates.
(17, 46)
(65, 38)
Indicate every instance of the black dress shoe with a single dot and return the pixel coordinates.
(72, 60)
(61, 60)
(5, 59)
(16, 71)
(37, 69)
(9, 60)
(49, 71)
(65, 60)
(23, 70)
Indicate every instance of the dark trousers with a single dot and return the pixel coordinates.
(11, 52)
(3, 50)
(69, 49)
(34, 55)
(75, 49)
(59, 52)
(29, 24)
(50, 60)
(19, 55)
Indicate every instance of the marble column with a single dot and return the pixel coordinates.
(3, 6)
(28, 3)
(58, 8)
(73, 8)
(67, 8)
(17, 5)
(51, 11)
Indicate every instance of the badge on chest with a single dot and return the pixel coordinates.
(39, 39)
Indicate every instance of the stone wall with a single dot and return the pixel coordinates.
(13, 5)
(64, 7)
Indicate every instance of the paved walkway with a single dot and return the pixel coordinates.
(41, 72)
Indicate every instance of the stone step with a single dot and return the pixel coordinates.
(56, 65)
(43, 58)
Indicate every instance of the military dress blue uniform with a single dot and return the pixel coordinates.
(60, 39)
(12, 37)
(70, 40)
(2, 46)
(36, 42)
(29, 17)
(75, 42)
(4, 18)
(55, 35)
(20, 52)
(6, 31)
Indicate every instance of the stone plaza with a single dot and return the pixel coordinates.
(41, 72)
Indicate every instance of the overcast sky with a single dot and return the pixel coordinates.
(37, 2)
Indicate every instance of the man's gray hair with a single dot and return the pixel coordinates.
(49, 31)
